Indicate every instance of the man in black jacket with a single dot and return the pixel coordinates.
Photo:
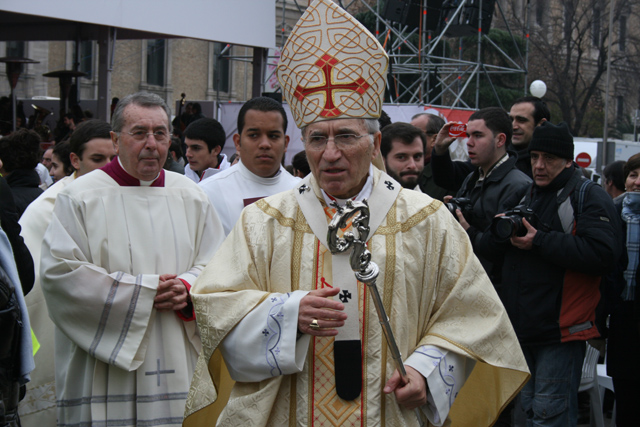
(526, 114)
(551, 273)
(495, 184)
(19, 154)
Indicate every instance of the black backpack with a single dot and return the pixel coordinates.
(11, 327)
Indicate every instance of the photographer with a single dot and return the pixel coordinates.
(556, 245)
(496, 183)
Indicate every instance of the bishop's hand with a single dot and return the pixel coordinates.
(326, 312)
(411, 395)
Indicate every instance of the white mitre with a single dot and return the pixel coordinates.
(332, 67)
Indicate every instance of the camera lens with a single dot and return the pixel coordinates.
(451, 208)
(503, 227)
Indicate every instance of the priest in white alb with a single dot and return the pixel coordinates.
(91, 148)
(298, 333)
(261, 142)
(124, 246)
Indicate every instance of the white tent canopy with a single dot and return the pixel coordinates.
(243, 22)
(238, 22)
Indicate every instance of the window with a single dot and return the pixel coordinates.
(620, 108)
(622, 36)
(86, 58)
(156, 62)
(221, 68)
(568, 19)
(15, 49)
(541, 6)
(595, 25)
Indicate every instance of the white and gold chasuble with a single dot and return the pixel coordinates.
(119, 361)
(328, 408)
(434, 290)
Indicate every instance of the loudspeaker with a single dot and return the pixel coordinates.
(468, 20)
(393, 10)
(273, 95)
(434, 14)
(407, 12)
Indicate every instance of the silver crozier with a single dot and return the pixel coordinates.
(366, 271)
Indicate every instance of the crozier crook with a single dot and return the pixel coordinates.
(360, 258)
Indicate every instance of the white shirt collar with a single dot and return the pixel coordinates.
(142, 183)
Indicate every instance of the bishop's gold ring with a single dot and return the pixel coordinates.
(314, 325)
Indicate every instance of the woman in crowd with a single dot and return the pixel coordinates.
(624, 327)
(60, 161)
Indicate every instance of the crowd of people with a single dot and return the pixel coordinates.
(158, 282)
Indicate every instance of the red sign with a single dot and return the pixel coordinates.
(458, 131)
(583, 160)
(451, 114)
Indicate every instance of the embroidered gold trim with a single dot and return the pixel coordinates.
(282, 219)
(296, 256)
(389, 278)
(311, 350)
(414, 220)
(293, 400)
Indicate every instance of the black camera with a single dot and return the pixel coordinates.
(463, 203)
(510, 224)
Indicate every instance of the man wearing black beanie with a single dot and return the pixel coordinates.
(562, 242)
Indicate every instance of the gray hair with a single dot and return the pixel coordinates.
(434, 124)
(142, 99)
(371, 125)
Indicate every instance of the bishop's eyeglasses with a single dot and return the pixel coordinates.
(342, 141)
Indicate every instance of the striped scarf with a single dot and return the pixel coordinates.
(631, 215)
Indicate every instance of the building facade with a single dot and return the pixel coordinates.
(202, 70)
(567, 44)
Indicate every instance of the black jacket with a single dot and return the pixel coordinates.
(502, 189)
(9, 222)
(524, 161)
(447, 173)
(451, 174)
(25, 188)
(428, 186)
(623, 345)
(551, 291)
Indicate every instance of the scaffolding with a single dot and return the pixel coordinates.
(427, 67)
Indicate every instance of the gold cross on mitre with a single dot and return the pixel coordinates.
(332, 67)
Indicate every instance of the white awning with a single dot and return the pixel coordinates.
(241, 22)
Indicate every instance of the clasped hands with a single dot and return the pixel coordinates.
(171, 294)
(330, 315)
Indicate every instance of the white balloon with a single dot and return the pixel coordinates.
(538, 88)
